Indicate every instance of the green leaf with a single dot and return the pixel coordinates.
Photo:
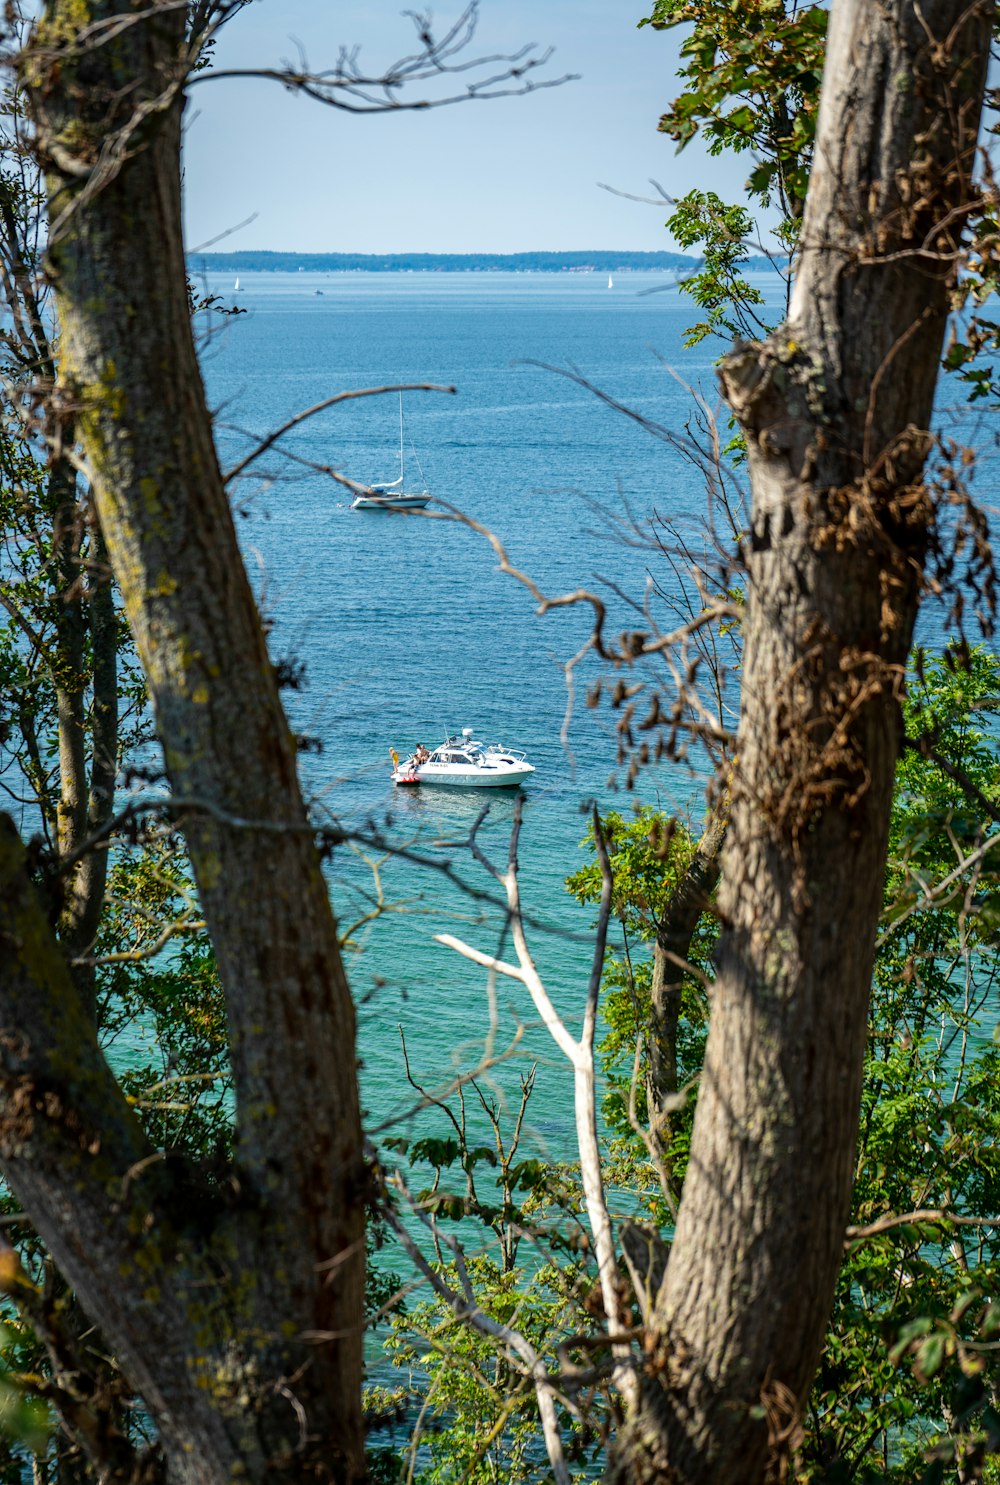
(931, 1354)
(437, 1152)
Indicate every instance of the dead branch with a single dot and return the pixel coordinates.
(436, 61)
(935, 1216)
(318, 407)
(580, 1056)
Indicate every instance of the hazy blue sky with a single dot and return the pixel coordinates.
(501, 176)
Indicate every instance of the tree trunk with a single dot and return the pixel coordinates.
(240, 1320)
(833, 406)
(88, 747)
(86, 793)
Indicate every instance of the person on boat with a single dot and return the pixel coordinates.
(421, 755)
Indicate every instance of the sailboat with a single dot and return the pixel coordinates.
(236, 285)
(387, 496)
(611, 282)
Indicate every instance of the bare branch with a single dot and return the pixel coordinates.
(203, 247)
(318, 407)
(930, 893)
(935, 1216)
(436, 61)
(148, 951)
(466, 1309)
(580, 1055)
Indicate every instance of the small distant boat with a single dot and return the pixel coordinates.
(236, 285)
(463, 763)
(611, 282)
(387, 496)
(320, 292)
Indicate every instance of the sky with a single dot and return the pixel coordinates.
(508, 175)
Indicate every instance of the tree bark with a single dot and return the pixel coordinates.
(103, 624)
(253, 1365)
(88, 746)
(833, 406)
(73, 1151)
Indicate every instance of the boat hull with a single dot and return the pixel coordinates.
(472, 778)
(390, 502)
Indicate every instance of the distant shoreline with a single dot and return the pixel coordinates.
(249, 261)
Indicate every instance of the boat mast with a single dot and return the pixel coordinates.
(400, 480)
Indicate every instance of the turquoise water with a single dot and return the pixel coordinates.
(406, 629)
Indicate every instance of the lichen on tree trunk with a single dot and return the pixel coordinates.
(237, 1312)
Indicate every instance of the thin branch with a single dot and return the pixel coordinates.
(663, 198)
(490, 1060)
(925, 746)
(580, 1055)
(972, 860)
(318, 407)
(148, 951)
(465, 1308)
(932, 1215)
(325, 835)
(203, 247)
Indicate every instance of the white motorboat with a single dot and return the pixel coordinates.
(387, 496)
(463, 763)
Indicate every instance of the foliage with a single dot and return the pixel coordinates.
(751, 76)
(907, 1381)
(973, 336)
(479, 1414)
(24, 1420)
(161, 1010)
(649, 855)
(468, 1412)
(26, 683)
(718, 286)
(907, 1376)
(477, 1170)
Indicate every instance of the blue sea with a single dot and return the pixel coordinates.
(403, 629)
